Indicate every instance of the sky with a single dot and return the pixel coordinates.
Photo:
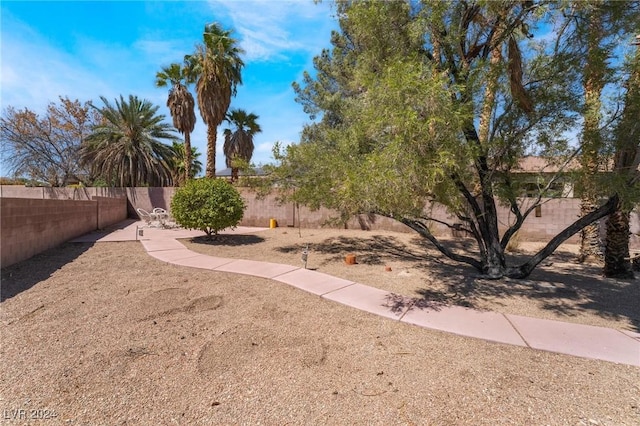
(87, 49)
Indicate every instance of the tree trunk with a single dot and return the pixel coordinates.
(616, 257)
(187, 156)
(617, 262)
(490, 89)
(211, 151)
(590, 245)
(526, 268)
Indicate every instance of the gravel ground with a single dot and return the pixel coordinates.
(560, 289)
(105, 335)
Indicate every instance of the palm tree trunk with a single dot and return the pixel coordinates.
(490, 91)
(592, 140)
(616, 256)
(617, 263)
(491, 81)
(211, 152)
(187, 157)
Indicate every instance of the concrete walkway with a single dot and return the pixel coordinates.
(586, 341)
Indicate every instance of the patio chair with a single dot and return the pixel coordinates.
(151, 219)
(161, 215)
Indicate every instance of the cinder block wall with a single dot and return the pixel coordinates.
(260, 211)
(556, 214)
(30, 226)
(110, 210)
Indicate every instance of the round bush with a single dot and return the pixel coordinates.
(209, 205)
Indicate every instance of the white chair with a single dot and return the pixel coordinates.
(151, 219)
(161, 215)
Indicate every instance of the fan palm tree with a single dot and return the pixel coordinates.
(216, 65)
(238, 144)
(127, 148)
(181, 106)
(179, 163)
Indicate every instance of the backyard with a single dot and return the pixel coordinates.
(103, 333)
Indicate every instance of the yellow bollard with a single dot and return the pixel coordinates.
(272, 223)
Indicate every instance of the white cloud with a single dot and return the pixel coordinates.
(267, 28)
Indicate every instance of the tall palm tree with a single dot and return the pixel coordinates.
(593, 84)
(127, 148)
(181, 106)
(627, 157)
(216, 65)
(179, 163)
(238, 144)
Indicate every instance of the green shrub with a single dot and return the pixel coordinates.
(209, 205)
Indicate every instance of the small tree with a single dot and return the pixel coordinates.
(209, 205)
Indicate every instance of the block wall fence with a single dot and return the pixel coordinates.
(29, 226)
(36, 219)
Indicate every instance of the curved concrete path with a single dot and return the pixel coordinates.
(586, 341)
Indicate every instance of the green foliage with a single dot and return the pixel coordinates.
(178, 163)
(209, 205)
(435, 102)
(238, 141)
(127, 148)
(216, 66)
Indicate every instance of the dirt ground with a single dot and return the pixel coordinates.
(102, 333)
(560, 289)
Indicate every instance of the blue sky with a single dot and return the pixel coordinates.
(88, 49)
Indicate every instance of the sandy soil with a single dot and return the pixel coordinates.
(560, 289)
(104, 335)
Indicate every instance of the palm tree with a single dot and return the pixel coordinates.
(127, 149)
(627, 157)
(181, 106)
(593, 84)
(216, 66)
(179, 163)
(238, 145)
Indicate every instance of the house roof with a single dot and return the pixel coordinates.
(533, 164)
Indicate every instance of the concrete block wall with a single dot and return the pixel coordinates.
(29, 226)
(148, 199)
(260, 211)
(110, 210)
(556, 214)
(19, 191)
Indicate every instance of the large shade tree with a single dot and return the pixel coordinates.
(238, 140)
(436, 103)
(181, 107)
(216, 66)
(128, 148)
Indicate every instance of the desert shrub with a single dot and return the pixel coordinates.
(209, 205)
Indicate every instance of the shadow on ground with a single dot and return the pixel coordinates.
(559, 283)
(375, 250)
(228, 240)
(22, 276)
